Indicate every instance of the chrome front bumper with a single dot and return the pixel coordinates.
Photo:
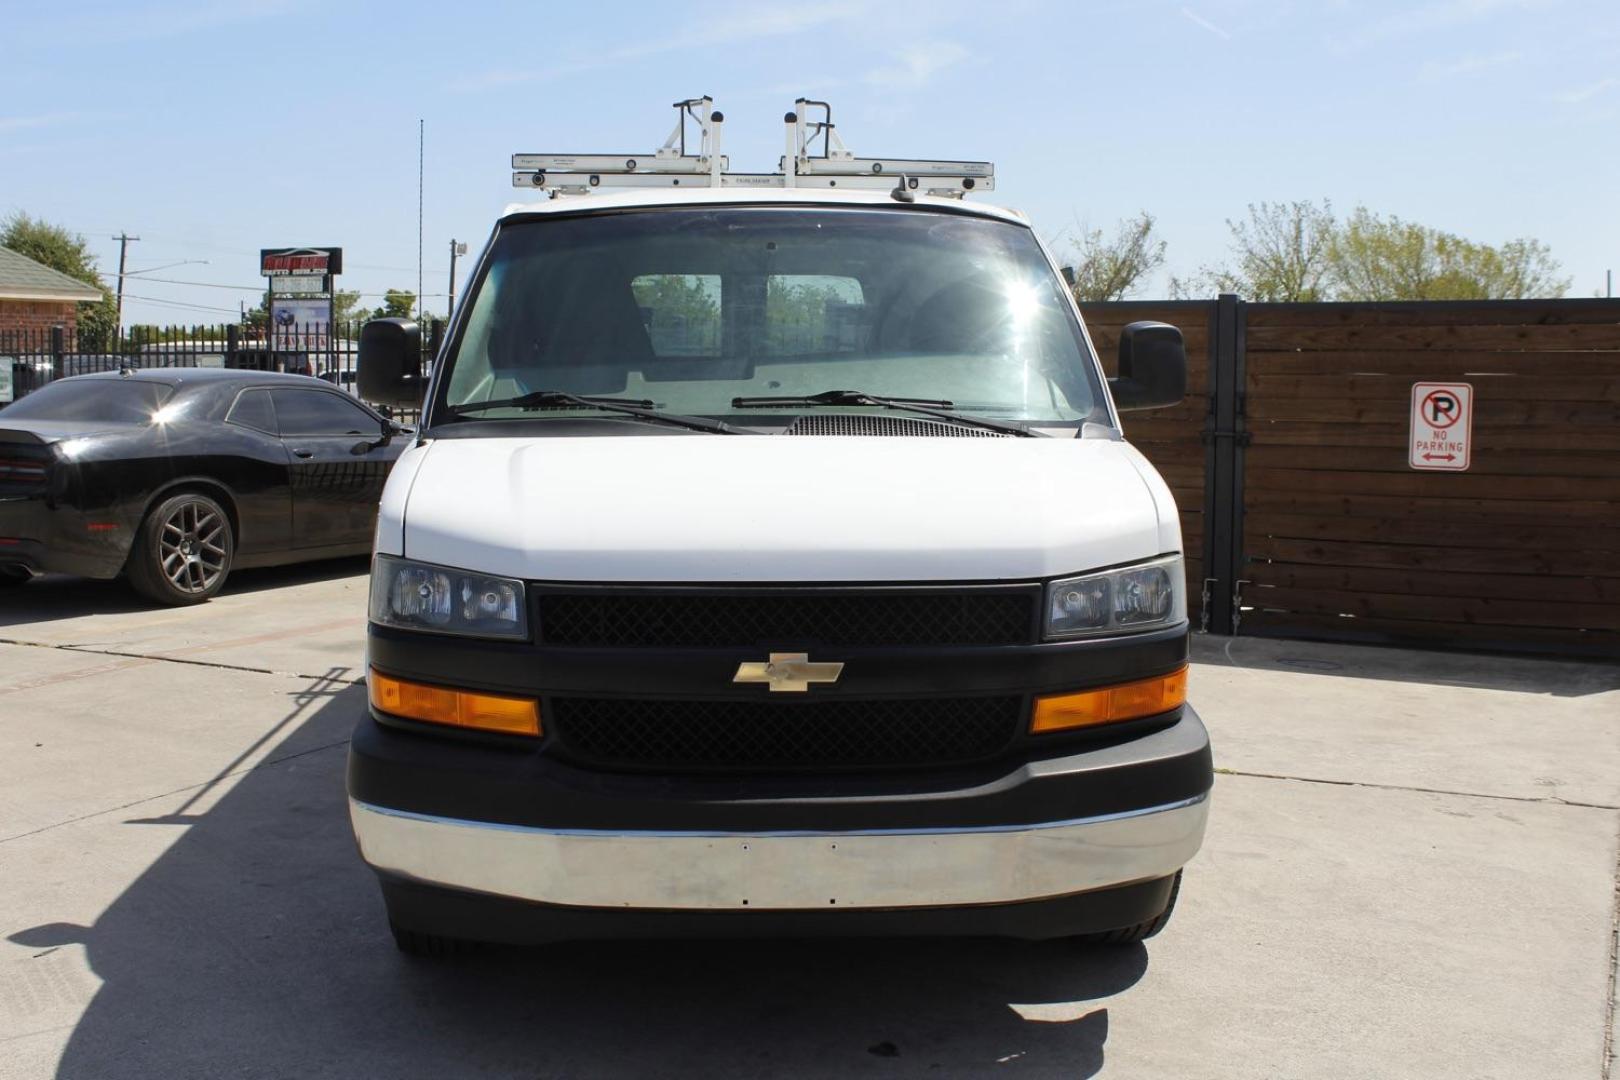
(725, 871)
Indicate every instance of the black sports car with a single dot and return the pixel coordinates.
(176, 476)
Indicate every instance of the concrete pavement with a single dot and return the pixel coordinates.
(1410, 872)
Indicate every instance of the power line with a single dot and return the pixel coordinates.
(185, 245)
(180, 304)
(256, 289)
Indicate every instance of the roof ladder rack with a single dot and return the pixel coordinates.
(816, 157)
(802, 166)
(576, 174)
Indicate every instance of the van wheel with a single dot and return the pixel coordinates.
(1129, 935)
(426, 946)
(13, 575)
(182, 551)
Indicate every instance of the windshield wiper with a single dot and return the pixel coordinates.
(550, 399)
(945, 410)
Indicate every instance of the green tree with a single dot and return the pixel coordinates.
(346, 307)
(66, 252)
(682, 312)
(1385, 258)
(811, 314)
(1108, 268)
(256, 318)
(1281, 252)
(1298, 251)
(397, 304)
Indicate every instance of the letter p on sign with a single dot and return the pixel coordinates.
(1442, 431)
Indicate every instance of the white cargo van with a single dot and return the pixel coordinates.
(770, 560)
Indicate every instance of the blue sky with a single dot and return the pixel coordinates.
(211, 129)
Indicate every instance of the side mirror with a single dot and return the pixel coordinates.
(1152, 367)
(389, 370)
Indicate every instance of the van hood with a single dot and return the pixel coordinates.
(731, 509)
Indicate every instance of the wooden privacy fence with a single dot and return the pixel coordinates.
(1302, 516)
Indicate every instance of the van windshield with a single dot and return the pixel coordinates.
(690, 308)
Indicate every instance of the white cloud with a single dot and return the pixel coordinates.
(1575, 97)
(741, 26)
(43, 120)
(1432, 17)
(1198, 20)
(1469, 65)
(918, 63)
(131, 23)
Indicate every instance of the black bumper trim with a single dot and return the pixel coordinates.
(424, 774)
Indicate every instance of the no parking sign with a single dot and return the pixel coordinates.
(1442, 426)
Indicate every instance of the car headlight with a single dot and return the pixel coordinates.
(1142, 597)
(443, 600)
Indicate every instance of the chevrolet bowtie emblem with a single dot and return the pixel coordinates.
(787, 671)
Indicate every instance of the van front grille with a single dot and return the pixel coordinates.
(652, 618)
(703, 736)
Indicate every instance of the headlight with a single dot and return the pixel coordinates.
(1132, 598)
(439, 599)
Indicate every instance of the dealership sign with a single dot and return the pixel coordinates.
(312, 261)
(300, 302)
(300, 285)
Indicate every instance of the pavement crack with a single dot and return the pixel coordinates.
(266, 763)
(1614, 972)
(1552, 800)
(158, 658)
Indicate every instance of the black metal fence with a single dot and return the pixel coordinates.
(37, 357)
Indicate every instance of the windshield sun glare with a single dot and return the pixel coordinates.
(690, 308)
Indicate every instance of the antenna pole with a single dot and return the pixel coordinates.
(421, 130)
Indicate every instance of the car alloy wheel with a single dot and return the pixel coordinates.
(191, 546)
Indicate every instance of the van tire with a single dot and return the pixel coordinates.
(12, 576)
(181, 527)
(424, 946)
(1130, 935)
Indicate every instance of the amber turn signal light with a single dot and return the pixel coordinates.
(1110, 704)
(458, 708)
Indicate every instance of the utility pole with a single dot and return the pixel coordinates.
(123, 250)
(455, 249)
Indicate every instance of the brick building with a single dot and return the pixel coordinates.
(34, 298)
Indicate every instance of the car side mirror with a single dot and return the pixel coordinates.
(389, 371)
(1152, 367)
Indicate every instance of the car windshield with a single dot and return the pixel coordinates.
(119, 401)
(690, 308)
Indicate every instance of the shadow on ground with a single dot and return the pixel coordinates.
(256, 946)
(52, 597)
(1560, 677)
